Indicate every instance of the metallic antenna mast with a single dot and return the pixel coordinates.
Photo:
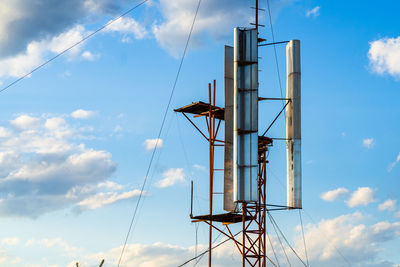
(245, 163)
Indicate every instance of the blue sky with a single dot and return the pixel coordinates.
(76, 136)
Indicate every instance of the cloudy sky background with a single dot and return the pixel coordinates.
(76, 136)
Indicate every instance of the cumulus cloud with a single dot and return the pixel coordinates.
(43, 168)
(384, 56)
(105, 198)
(215, 20)
(199, 167)
(212, 20)
(398, 214)
(36, 52)
(128, 26)
(33, 31)
(327, 241)
(167, 255)
(389, 204)
(361, 197)
(24, 22)
(54, 243)
(82, 114)
(89, 56)
(10, 241)
(27, 22)
(25, 121)
(172, 177)
(150, 144)
(331, 240)
(368, 142)
(335, 194)
(8, 259)
(313, 12)
(393, 164)
(4, 132)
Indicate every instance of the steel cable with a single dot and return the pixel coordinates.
(287, 242)
(72, 46)
(159, 133)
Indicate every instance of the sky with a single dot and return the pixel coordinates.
(77, 135)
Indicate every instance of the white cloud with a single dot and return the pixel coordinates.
(313, 12)
(368, 142)
(89, 56)
(54, 123)
(82, 114)
(25, 22)
(110, 185)
(82, 166)
(66, 39)
(37, 51)
(331, 240)
(53, 243)
(10, 241)
(126, 25)
(4, 132)
(199, 167)
(117, 129)
(361, 197)
(150, 144)
(384, 56)
(27, 38)
(212, 20)
(8, 259)
(360, 244)
(335, 194)
(398, 214)
(389, 204)
(25, 121)
(171, 177)
(393, 164)
(167, 255)
(43, 169)
(102, 199)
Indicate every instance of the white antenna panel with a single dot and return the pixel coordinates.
(245, 116)
(293, 124)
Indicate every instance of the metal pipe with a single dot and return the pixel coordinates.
(210, 174)
(244, 211)
(275, 43)
(256, 8)
(195, 126)
(264, 222)
(272, 123)
(237, 243)
(271, 98)
(191, 200)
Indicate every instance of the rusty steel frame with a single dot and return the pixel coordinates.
(212, 134)
(252, 245)
(253, 231)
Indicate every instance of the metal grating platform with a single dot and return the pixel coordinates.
(223, 218)
(202, 109)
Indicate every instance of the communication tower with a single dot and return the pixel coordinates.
(245, 150)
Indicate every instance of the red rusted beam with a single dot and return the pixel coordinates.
(197, 128)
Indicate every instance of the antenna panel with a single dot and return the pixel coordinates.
(245, 116)
(293, 124)
(229, 204)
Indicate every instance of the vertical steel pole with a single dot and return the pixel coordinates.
(210, 130)
(256, 16)
(259, 210)
(264, 202)
(191, 199)
(244, 212)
